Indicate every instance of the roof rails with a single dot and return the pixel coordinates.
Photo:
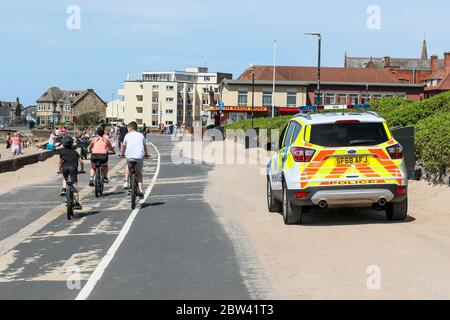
(373, 113)
(304, 115)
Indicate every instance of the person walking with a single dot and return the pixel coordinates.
(122, 132)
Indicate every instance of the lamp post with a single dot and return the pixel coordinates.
(319, 52)
(252, 69)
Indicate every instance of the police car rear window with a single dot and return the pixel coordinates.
(348, 134)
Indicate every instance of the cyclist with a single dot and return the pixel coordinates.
(98, 148)
(68, 165)
(134, 149)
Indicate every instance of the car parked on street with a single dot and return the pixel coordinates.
(328, 160)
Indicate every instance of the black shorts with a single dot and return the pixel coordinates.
(101, 158)
(70, 172)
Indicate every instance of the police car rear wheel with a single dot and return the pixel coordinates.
(397, 211)
(291, 214)
(273, 204)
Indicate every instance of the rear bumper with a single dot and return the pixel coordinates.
(347, 195)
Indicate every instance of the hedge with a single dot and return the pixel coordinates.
(433, 144)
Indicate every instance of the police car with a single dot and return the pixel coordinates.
(337, 160)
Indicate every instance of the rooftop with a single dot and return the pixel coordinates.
(328, 117)
(328, 75)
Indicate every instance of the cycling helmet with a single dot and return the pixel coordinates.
(67, 141)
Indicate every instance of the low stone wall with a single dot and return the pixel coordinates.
(18, 163)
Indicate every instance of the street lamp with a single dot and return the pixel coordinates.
(319, 37)
(252, 70)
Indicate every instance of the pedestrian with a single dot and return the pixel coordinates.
(8, 140)
(122, 132)
(16, 145)
(144, 130)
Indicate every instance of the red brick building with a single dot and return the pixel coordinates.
(339, 85)
(430, 71)
(296, 86)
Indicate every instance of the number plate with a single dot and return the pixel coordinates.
(351, 160)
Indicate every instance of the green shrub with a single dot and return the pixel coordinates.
(433, 143)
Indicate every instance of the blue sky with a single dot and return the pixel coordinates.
(127, 37)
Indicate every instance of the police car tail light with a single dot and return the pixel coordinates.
(396, 151)
(302, 154)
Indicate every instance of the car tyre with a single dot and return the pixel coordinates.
(273, 204)
(291, 214)
(397, 211)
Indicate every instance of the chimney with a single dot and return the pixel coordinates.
(447, 61)
(387, 62)
(434, 63)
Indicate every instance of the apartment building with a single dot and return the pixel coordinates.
(115, 111)
(171, 97)
(64, 106)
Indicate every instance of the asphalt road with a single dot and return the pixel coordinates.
(175, 248)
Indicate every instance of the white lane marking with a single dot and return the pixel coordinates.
(98, 272)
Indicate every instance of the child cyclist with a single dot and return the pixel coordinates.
(69, 160)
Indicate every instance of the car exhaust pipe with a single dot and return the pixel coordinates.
(382, 202)
(323, 204)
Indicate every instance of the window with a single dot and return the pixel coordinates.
(377, 96)
(169, 111)
(242, 98)
(49, 107)
(180, 112)
(67, 107)
(155, 100)
(139, 109)
(169, 99)
(205, 102)
(154, 123)
(189, 89)
(354, 99)
(288, 134)
(169, 88)
(348, 135)
(342, 98)
(267, 99)
(169, 123)
(139, 98)
(189, 112)
(139, 121)
(216, 90)
(155, 88)
(205, 90)
(330, 98)
(206, 79)
(365, 98)
(154, 111)
(297, 129)
(291, 99)
(188, 101)
(180, 101)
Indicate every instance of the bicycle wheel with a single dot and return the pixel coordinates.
(97, 182)
(69, 199)
(133, 190)
(102, 183)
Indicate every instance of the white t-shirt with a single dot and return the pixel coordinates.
(134, 142)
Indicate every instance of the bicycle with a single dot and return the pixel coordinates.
(70, 200)
(99, 183)
(132, 183)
